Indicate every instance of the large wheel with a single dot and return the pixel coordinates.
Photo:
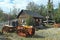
(4, 31)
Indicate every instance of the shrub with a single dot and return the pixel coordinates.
(30, 21)
(57, 20)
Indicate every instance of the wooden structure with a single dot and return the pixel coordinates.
(24, 14)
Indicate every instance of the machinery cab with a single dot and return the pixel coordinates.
(14, 23)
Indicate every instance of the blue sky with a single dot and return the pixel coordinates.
(7, 4)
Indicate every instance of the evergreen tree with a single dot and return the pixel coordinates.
(57, 14)
(36, 8)
(50, 9)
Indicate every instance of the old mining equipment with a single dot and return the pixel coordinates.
(25, 31)
(10, 28)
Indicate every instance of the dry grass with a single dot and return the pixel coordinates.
(46, 34)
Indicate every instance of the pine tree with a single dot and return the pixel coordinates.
(50, 9)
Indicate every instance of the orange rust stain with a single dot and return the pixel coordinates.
(56, 25)
(22, 34)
